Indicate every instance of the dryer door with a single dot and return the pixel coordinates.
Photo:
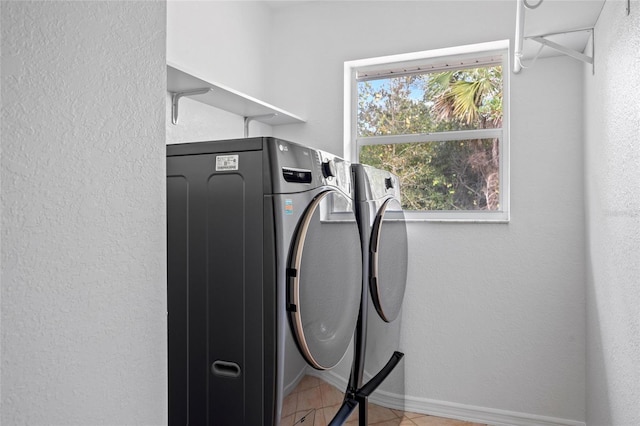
(388, 275)
(324, 279)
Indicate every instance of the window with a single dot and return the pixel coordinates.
(439, 120)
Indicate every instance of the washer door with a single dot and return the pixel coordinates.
(388, 274)
(324, 276)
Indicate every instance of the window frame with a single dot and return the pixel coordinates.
(353, 143)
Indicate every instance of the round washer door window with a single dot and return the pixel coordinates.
(388, 275)
(325, 280)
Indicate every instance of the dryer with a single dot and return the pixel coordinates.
(384, 245)
(264, 280)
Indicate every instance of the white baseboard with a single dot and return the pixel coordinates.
(330, 377)
(472, 413)
(452, 410)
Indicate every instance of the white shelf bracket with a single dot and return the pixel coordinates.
(567, 51)
(175, 98)
(248, 120)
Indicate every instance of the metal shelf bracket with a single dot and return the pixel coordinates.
(568, 51)
(248, 120)
(544, 42)
(565, 50)
(175, 98)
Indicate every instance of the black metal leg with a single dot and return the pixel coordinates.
(373, 384)
(361, 397)
(363, 411)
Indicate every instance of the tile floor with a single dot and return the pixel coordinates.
(314, 403)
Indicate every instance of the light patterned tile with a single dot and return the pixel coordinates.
(309, 399)
(287, 421)
(307, 382)
(289, 404)
(398, 413)
(411, 415)
(330, 395)
(306, 417)
(329, 412)
(319, 419)
(379, 414)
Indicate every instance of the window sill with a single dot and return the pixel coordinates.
(457, 217)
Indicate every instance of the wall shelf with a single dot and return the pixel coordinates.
(181, 82)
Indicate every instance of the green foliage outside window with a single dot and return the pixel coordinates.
(436, 175)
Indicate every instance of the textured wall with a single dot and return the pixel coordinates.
(494, 315)
(612, 122)
(83, 218)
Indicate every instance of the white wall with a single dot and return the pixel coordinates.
(225, 42)
(494, 315)
(83, 213)
(612, 123)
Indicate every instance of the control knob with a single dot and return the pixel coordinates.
(328, 168)
(388, 183)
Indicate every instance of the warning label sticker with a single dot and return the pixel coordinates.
(226, 162)
(288, 207)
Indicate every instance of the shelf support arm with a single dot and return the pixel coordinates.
(175, 98)
(249, 119)
(570, 52)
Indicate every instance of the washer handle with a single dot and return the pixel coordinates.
(226, 369)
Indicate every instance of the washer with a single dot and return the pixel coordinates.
(264, 279)
(384, 245)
